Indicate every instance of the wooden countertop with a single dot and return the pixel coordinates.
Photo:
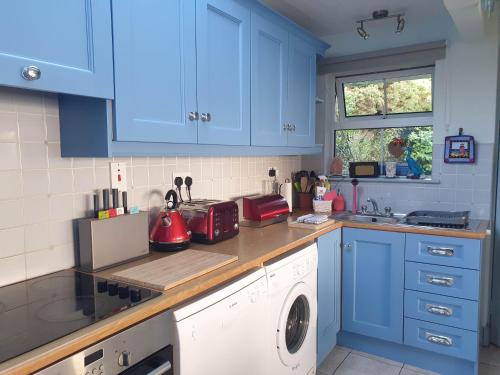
(253, 246)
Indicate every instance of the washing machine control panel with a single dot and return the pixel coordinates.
(257, 290)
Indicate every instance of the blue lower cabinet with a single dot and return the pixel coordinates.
(450, 311)
(446, 251)
(329, 292)
(373, 283)
(448, 281)
(437, 338)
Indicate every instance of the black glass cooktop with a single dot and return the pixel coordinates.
(38, 311)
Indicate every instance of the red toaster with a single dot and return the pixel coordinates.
(211, 221)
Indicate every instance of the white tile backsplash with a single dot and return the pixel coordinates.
(41, 193)
(461, 187)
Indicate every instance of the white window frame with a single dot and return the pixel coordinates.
(384, 120)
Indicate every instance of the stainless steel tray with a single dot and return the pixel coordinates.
(439, 218)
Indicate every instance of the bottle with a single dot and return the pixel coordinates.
(339, 202)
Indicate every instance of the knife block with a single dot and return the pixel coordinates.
(106, 243)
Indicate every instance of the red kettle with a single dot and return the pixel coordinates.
(169, 232)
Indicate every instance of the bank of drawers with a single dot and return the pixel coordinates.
(442, 284)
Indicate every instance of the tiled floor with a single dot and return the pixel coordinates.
(343, 361)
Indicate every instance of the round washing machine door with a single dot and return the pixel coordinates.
(295, 324)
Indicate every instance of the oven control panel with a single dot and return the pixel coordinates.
(123, 351)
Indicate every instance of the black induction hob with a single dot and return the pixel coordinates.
(38, 311)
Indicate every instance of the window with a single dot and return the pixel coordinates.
(374, 109)
(387, 94)
(371, 145)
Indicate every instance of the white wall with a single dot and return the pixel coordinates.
(41, 193)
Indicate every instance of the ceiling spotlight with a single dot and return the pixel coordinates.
(401, 24)
(380, 15)
(362, 32)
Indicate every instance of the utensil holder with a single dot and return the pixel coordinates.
(305, 201)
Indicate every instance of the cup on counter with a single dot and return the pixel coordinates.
(390, 169)
(305, 201)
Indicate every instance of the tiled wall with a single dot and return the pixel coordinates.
(41, 193)
(461, 187)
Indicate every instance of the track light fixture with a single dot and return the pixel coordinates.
(378, 15)
(362, 32)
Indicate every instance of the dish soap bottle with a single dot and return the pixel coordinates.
(339, 202)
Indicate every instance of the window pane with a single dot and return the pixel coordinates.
(364, 98)
(419, 137)
(370, 144)
(358, 145)
(409, 94)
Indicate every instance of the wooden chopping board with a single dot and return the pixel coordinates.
(168, 272)
(295, 224)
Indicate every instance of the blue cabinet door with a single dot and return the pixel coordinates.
(269, 82)
(69, 42)
(301, 92)
(373, 283)
(329, 293)
(155, 70)
(223, 55)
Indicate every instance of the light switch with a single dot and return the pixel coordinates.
(118, 173)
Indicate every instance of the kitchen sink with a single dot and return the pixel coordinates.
(362, 218)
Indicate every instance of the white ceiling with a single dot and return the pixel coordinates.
(335, 22)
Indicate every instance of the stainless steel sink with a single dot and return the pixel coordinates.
(362, 218)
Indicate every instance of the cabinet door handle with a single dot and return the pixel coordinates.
(31, 73)
(293, 127)
(439, 310)
(441, 251)
(440, 280)
(286, 127)
(438, 339)
(193, 116)
(206, 117)
(348, 246)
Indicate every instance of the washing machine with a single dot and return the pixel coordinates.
(292, 297)
(223, 332)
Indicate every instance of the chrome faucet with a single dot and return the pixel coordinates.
(374, 204)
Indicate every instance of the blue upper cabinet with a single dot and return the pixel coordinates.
(155, 71)
(269, 82)
(301, 93)
(60, 46)
(373, 283)
(329, 292)
(223, 55)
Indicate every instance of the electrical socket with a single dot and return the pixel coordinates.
(118, 175)
(183, 175)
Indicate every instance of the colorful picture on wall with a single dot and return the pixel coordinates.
(459, 149)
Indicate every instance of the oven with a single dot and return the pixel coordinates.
(144, 349)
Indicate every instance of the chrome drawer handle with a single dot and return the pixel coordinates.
(439, 310)
(437, 339)
(206, 117)
(440, 280)
(163, 369)
(193, 116)
(31, 73)
(441, 251)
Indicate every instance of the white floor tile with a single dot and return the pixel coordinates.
(411, 370)
(356, 364)
(490, 355)
(333, 360)
(380, 359)
(485, 369)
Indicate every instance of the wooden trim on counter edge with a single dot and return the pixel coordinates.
(42, 357)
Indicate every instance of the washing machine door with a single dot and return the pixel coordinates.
(295, 333)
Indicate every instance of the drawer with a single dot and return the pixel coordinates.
(450, 311)
(446, 251)
(448, 281)
(445, 340)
